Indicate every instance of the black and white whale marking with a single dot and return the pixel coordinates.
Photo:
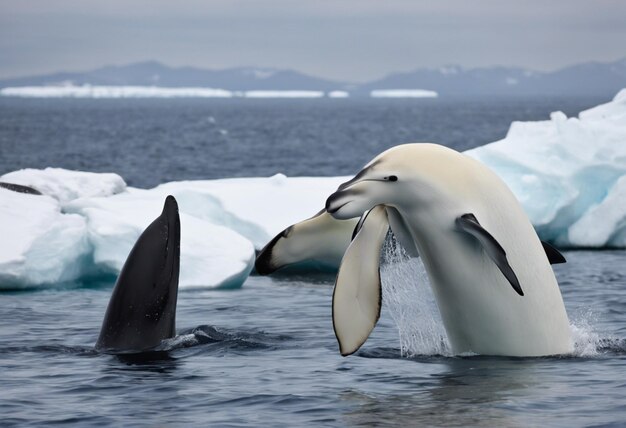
(142, 309)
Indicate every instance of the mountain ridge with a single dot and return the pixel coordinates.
(590, 78)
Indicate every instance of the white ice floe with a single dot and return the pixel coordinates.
(338, 94)
(568, 173)
(210, 255)
(95, 91)
(283, 94)
(89, 91)
(403, 93)
(40, 245)
(66, 185)
(257, 208)
(70, 232)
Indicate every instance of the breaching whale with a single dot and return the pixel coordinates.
(142, 308)
(490, 274)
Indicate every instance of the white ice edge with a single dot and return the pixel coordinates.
(403, 93)
(104, 92)
(113, 92)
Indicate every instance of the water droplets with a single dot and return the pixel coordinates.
(407, 297)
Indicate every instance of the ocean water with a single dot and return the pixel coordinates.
(266, 354)
(151, 141)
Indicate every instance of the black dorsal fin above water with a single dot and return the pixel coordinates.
(469, 223)
(142, 308)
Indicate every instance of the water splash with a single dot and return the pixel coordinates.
(181, 341)
(587, 341)
(409, 300)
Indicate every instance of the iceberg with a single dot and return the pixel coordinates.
(403, 93)
(256, 208)
(338, 94)
(85, 224)
(210, 255)
(40, 245)
(283, 94)
(65, 185)
(568, 173)
(89, 91)
(96, 91)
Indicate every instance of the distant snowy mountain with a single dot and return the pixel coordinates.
(595, 79)
(153, 73)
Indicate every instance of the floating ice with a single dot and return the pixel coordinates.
(403, 93)
(210, 255)
(338, 94)
(95, 91)
(65, 185)
(89, 91)
(283, 94)
(40, 245)
(569, 174)
(257, 208)
(70, 232)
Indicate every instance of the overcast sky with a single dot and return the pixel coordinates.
(350, 40)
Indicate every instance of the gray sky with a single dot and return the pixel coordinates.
(351, 40)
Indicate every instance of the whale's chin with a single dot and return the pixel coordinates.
(346, 211)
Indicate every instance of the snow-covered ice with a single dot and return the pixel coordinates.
(403, 93)
(89, 91)
(65, 185)
(283, 94)
(569, 174)
(210, 255)
(86, 224)
(257, 208)
(40, 245)
(338, 94)
(96, 91)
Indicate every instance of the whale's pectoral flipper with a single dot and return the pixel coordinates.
(468, 223)
(320, 239)
(554, 256)
(142, 308)
(357, 296)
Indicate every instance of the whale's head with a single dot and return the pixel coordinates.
(403, 177)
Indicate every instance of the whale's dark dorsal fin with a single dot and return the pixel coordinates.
(142, 309)
(554, 256)
(468, 223)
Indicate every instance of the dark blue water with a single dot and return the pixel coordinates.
(152, 141)
(266, 354)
